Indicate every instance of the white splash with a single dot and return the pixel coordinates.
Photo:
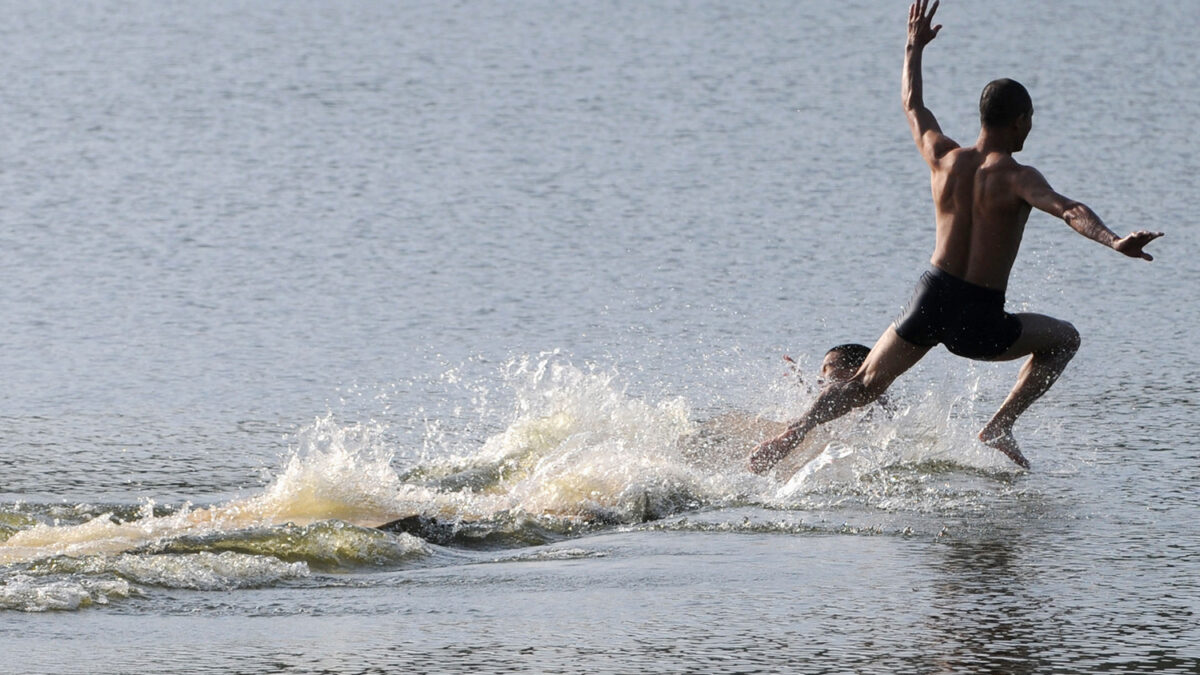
(335, 473)
(577, 446)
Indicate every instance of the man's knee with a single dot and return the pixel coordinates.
(1060, 344)
(1069, 342)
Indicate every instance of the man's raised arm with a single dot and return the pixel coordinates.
(925, 130)
(1033, 188)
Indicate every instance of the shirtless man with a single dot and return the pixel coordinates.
(982, 198)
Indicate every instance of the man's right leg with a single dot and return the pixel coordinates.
(889, 358)
(1050, 343)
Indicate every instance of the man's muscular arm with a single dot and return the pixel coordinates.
(930, 140)
(1033, 188)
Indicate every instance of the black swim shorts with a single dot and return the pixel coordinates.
(969, 319)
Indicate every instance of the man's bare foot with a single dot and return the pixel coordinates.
(1006, 443)
(769, 453)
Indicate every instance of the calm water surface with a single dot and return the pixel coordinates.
(274, 274)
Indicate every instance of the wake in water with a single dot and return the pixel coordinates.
(579, 454)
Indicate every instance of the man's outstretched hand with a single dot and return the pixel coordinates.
(1133, 244)
(920, 23)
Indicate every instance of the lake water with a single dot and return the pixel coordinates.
(525, 274)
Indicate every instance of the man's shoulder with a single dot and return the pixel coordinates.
(1005, 165)
(1025, 174)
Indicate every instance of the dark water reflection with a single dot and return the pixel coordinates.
(1006, 603)
(984, 618)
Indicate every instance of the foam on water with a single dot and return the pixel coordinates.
(31, 593)
(576, 452)
(579, 446)
(68, 583)
(332, 545)
(335, 473)
(204, 570)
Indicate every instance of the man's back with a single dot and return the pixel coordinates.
(983, 198)
(980, 216)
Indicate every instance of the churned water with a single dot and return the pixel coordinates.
(369, 337)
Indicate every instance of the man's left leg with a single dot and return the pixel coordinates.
(1050, 343)
(889, 358)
